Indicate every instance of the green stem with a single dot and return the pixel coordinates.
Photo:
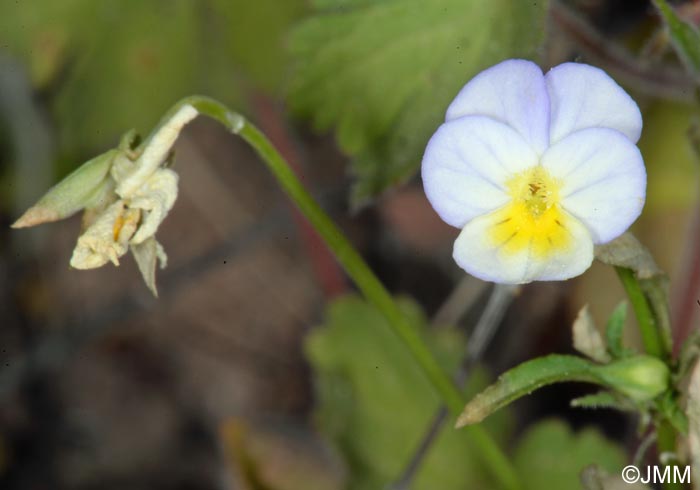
(666, 443)
(654, 344)
(360, 273)
(651, 336)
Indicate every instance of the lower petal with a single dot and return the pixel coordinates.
(510, 246)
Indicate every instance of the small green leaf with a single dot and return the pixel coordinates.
(550, 456)
(587, 339)
(614, 330)
(603, 399)
(73, 193)
(684, 37)
(640, 378)
(382, 73)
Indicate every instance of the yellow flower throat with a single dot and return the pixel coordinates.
(533, 218)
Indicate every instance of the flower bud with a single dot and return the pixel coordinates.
(641, 378)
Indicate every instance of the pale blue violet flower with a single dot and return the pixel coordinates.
(535, 170)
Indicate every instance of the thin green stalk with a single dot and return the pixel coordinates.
(360, 273)
(654, 344)
(651, 337)
(666, 443)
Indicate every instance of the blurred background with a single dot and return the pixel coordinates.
(258, 367)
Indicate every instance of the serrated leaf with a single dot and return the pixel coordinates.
(684, 37)
(375, 404)
(253, 36)
(550, 456)
(587, 339)
(615, 329)
(383, 73)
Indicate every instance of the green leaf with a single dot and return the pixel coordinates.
(523, 380)
(383, 73)
(614, 330)
(640, 378)
(684, 37)
(253, 36)
(551, 456)
(375, 405)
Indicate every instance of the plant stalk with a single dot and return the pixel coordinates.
(360, 273)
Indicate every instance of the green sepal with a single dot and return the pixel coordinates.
(604, 399)
(669, 407)
(614, 330)
(73, 193)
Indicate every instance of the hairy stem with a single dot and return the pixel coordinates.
(359, 272)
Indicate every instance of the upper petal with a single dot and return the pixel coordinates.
(512, 92)
(582, 96)
(549, 251)
(466, 164)
(603, 179)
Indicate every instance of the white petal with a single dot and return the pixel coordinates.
(466, 164)
(582, 96)
(603, 180)
(156, 150)
(477, 252)
(512, 92)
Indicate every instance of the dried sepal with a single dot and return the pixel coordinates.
(147, 255)
(587, 338)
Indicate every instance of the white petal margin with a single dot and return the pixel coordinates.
(512, 92)
(582, 96)
(603, 180)
(466, 164)
(475, 252)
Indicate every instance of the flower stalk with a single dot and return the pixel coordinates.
(651, 336)
(359, 272)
